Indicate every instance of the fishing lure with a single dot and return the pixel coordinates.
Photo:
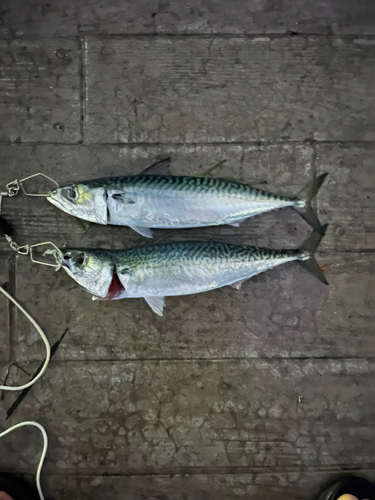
(157, 199)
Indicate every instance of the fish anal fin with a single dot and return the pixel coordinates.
(236, 223)
(156, 303)
(144, 231)
(161, 167)
(237, 284)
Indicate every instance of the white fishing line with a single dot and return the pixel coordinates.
(44, 451)
(44, 338)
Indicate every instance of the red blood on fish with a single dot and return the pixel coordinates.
(116, 288)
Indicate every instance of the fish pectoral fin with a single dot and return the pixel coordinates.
(144, 231)
(237, 284)
(236, 223)
(161, 167)
(156, 304)
(121, 198)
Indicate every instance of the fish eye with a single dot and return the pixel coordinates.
(80, 259)
(67, 256)
(72, 193)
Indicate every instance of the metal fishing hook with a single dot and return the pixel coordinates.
(29, 250)
(13, 188)
(5, 230)
(21, 182)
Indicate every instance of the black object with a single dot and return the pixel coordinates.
(24, 393)
(5, 227)
(17, 488)
(352, 485)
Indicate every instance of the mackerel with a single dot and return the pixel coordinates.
(157, 199)
(177, 268)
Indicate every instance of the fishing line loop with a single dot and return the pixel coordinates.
(21, 182)
(13, 244)
(29, 250)
(57, 266)
(43, 337)
(13, 188)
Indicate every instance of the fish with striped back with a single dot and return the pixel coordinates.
(157, 199)
(177, 268)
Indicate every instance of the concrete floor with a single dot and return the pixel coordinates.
(261, 393)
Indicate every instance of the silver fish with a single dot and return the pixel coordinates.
(177, 268)
(156, 199)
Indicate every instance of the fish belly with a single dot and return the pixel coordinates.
(175, 280)
(175, 210)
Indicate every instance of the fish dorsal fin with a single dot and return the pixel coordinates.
(193, 235)
(166, 237)
(157, 304)
(161, 167)
(227, 239)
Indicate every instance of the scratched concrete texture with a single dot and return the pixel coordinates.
(263, 393)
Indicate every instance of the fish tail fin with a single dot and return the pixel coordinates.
(306, 254)
(305, 209)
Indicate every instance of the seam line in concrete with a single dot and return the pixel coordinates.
(82, 88)
(347, 36)
(12, 308)
(204, 360)
(175, 144)
(184, 471)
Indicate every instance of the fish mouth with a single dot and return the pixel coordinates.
(55, 202)
(116, 290)
(58, 256)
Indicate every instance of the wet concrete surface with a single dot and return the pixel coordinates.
(260, 393)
